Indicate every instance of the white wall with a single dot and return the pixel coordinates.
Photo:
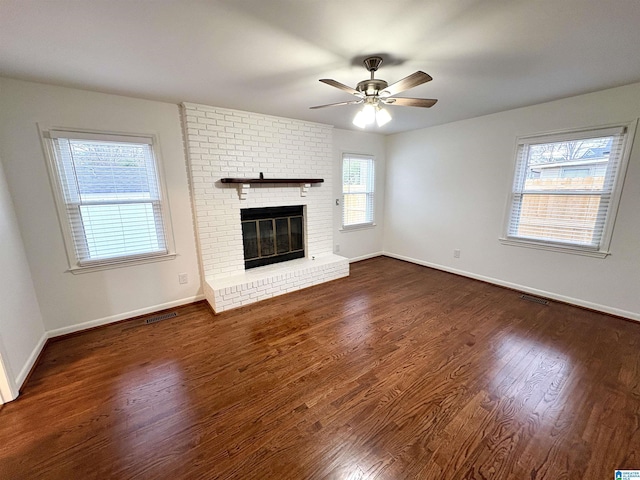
(359, 243)
(447, 187)
(22, 332)
(70, 302)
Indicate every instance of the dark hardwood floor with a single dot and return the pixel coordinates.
(397, 372)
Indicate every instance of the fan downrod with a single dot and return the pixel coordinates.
(372, 86)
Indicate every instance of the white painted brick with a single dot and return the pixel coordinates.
(223, 142)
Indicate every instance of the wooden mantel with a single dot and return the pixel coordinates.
(272, 180)
(245, 183)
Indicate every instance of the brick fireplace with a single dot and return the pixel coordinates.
(228, 143)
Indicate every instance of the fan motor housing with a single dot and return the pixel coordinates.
(372, 86)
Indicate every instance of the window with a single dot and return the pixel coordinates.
(109, 197)
(357, 190)
(566, 189)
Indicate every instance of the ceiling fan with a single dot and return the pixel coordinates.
(375, 92)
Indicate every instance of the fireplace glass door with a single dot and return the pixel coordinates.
(271, 235)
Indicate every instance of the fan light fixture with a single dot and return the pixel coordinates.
(382, 117)
(371, 113)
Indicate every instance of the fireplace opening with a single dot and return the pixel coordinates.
(272, 235)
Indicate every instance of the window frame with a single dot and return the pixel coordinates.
(363, 225)
(603, 248)
(75, 264)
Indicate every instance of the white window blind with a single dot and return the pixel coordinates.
(111, 193)
(357, 190)
(565, 188)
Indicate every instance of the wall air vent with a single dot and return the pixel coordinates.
(157, 318)
(531, 298)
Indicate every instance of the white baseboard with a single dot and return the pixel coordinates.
(122, 316)
(366, 257)
(541, 293)
(31, 361)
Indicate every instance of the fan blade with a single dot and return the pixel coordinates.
(410, 102)
(406, 83)
(352, 102)
(341, 86)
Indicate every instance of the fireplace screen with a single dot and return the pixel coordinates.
(272, 235)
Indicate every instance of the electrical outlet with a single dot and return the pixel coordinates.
(337, 248)
(183, 278)
(456, 253)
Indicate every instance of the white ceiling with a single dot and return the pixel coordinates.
(266, 56)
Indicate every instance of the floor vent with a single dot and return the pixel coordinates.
(530, 298)
(157, 318)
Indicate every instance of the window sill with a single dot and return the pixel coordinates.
(360, 226)
(77, 270)
(555, 247)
